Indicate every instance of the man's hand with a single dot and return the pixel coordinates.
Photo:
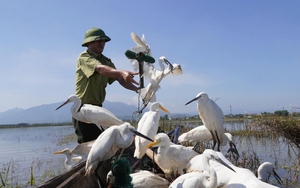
(128, 76)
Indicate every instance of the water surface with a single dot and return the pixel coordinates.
(23, 148)
(34, 146)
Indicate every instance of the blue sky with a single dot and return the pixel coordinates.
(246, 53)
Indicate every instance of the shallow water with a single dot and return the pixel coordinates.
(34, 146)
(22, 148)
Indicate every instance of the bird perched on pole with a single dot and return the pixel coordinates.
(141, 44)
(212, 117)
(91, 113)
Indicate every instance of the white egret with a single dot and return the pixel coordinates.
(91, 113)
(144, 179)
(265, 170)
(77, 154)
(148, 125)
(224, 174)
(199, 133)
(243, 178)
(156, 76)
(195, 180)
(232, 147)
(141, 46)
(108, 143)
(206, 178)
(202, 134)
(170, 155)
(212, 117)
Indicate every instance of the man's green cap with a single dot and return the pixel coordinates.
(94, 34)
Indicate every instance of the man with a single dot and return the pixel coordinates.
(93, 72)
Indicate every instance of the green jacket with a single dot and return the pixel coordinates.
(90, 85)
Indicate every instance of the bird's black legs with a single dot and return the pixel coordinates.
(196, 147)
(214, 140)
(219, 142)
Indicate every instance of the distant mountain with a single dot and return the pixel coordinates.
(46, 113)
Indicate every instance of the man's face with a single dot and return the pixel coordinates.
(97, 46)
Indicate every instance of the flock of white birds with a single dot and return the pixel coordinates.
(210, 169)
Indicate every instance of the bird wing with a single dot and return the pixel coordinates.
(148, 126)
(187, 180)
(199, 133)
(148, 71)
(137, 40)
(148, 93)
(142, 45)
(100, 116)
(135, 65)
(83, 149)
(103, 148)
(175, 72)
(216, 116)
(152, 87)
(144, 39)
(181, 154)
(147, 179)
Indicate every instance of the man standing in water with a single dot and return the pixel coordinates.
(93, 72)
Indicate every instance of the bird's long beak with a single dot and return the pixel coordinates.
(277, 177)
(153, 144)
(58, 152)
(225, 164)
(141, 135)
(192, 101)
(163, 109)
(170, 64)
(62, 105)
